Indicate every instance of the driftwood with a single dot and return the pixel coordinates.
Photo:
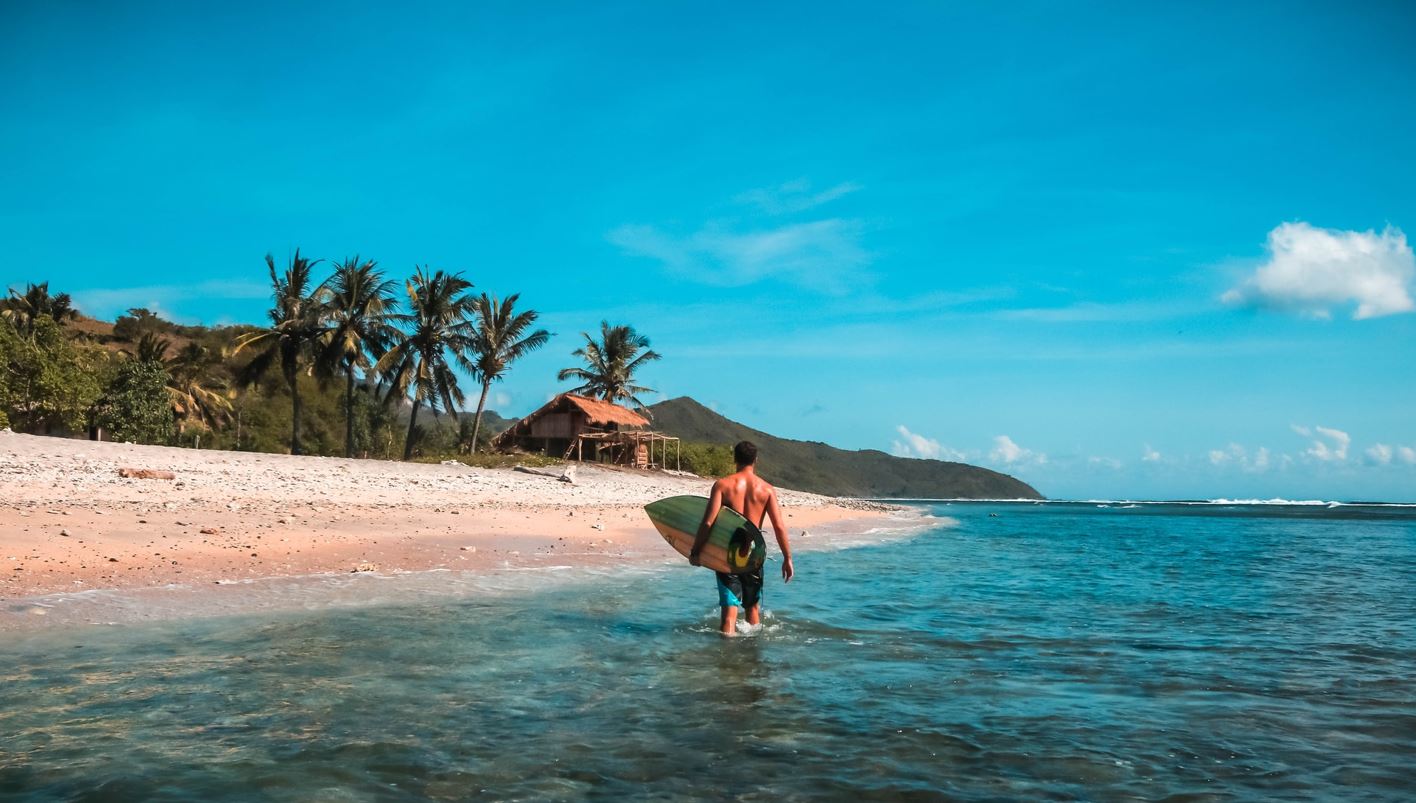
(564, 475)
(146, 474)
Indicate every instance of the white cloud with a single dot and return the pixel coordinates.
(1328, 445)
(1150, 455)
(1235, 454)
(912, 444)
(1006, 451)
(1382, 454)
(1379, 454)
(501, 400)
(822, 255)
(794, 196)
(1104, 462)
(110, 302)
(1310, 270)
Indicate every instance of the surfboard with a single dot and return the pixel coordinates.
(735, 545)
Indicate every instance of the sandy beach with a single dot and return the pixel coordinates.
(71, 521)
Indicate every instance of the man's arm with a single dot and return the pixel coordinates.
(774, 511)
(715, 504)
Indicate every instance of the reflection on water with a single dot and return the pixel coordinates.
(1040, 654)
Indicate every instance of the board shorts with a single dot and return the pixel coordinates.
(739, 590)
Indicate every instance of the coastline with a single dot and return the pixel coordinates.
(75, 529)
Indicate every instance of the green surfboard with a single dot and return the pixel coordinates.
(735, 545)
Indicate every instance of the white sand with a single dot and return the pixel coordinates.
(68, 520)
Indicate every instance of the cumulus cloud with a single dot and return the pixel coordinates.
(822, 255)
(1382, 454)
(1328, 445)
(912, 444)
(1258, 461)
(1104, 462)
(1379, 454)
(1310, 270)
(1006, 451)
(1150, 455)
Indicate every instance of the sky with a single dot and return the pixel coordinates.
(1118, 251)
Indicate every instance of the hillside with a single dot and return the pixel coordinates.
(819, 468)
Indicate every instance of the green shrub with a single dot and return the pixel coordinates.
(136, 408)
(47, 383)
(707, 459)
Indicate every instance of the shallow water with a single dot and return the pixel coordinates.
(1045, 652)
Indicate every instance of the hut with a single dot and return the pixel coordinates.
(580, 428)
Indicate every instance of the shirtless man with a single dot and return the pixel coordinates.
(751, 496)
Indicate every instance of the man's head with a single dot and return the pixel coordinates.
(745, 454)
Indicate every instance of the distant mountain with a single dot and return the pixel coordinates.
(823, 469)
(492, 423)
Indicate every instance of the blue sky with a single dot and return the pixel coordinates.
(1118, 251)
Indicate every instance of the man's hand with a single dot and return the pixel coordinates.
(695, 558)
(787, 571)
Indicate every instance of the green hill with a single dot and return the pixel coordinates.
(819, 468)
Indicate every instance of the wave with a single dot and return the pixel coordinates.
(1221, 501)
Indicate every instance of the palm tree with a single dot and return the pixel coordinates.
(152, 348)
(358, 304)
(198, 396)
(611, 364)
(24, 308)
(296, 328)
(438, 333)
(501, 340)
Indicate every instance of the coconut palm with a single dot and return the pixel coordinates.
(501, 340)
(152, 348)
(358, 303)
(611, 363)
(296, 329)
(23, 308)
(199, 396)
(438, 333)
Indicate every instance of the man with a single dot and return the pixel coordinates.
(751, 496)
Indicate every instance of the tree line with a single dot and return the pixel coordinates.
(351, 335)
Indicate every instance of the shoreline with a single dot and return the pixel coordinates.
(74, 527)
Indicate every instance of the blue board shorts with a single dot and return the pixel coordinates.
(739, 590)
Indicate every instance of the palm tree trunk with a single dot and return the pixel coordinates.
(294, 415)
(477, 420)
(412, 422)
(349, 413)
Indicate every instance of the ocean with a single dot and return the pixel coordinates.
(1009, 651)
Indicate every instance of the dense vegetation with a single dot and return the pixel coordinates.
(340, 370)
(341, 367)
(817, 467)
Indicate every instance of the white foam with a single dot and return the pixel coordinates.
(1221, 501)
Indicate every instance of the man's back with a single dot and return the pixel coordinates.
(746, 493)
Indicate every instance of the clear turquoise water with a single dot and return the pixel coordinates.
(1048, 652)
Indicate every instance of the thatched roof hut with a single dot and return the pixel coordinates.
(566, 424)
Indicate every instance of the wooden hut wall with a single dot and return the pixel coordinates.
(556, 425)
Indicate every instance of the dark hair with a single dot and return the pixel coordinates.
(745, 453)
